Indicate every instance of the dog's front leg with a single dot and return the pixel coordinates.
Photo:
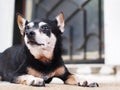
(71, 79)
(29, 80)
(63, 73)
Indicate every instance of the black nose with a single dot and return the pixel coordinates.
(30, 34)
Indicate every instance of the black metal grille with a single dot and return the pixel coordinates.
(99, 36)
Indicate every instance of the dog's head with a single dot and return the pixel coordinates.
(40, 36)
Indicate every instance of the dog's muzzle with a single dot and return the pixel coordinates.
(30, 34)
(31, 39)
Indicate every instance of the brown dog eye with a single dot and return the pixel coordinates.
(27, 27)
(45, 27)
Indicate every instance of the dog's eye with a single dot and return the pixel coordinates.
(27, 27)
(45, 27)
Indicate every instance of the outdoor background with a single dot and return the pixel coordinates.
(91, 44)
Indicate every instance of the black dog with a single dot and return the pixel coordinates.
(39, 59)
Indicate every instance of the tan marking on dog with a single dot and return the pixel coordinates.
(45, 58)
(71, 80)
(59, 71)
(51, 74)
(34, 72)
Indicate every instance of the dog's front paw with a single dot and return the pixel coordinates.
(30, 80)
(37, 82)
(85, 84)
(93, 84)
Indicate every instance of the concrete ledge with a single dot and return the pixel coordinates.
(99, 69)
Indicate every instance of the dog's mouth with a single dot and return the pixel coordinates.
(35, 43)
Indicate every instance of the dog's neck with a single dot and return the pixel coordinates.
(43, 55)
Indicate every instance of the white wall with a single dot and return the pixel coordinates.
(112, 31)
(6, 23)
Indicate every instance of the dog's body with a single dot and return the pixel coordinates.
(18, 61)
(38, 60)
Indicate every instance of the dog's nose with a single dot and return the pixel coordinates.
(30, 34)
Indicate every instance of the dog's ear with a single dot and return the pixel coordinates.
(21, 23)
(60, 21)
